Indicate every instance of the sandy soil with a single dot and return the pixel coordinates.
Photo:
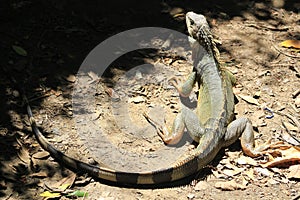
(105, 122)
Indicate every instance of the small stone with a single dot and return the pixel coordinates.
(176, 11)
(71, 78)
(15, 93)
(202, 185)
(191, 196)
(272, 182)
(296, 93)
(278, 3)
(137, 99)
(263, 171)
(297, 102)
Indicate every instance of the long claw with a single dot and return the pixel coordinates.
(164, 133)
(159, 128)
(174, 81)
(184, 90)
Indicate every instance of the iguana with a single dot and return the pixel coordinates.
(211, 126)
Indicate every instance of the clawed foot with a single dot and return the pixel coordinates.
(163, 132)
(175, 82)
(159, 128)
(185, 88)
(264, 149)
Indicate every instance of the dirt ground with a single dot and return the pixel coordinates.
(44, 44)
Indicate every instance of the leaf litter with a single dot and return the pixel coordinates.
(251, 167)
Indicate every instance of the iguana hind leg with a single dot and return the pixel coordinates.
(172, 136)
(192, 123)
(242, 128)
(185, 119)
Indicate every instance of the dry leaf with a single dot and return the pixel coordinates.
(23, 154)
(283, 162)
(290, 156)
(50, 195)
(289, 138)
(83, 181)
(272, 182)
(233, 155)
(279, 146)
(202, 185)
(69, 180)
(41, 155)
(244, 181)
(250, 174)
(294, 172)
(229, 185)
(217, 174)
(249, 99)
(243, 160)
(263, 171)
(229, 172)
(291, 43)
(232, 170)
(60, 186)
(293, 150)
(137, 99)
(290, 126)
(230, 166)
(40, 174)
(71, 78)
(297, 102)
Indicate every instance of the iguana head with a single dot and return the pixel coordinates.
(195, 23)
(199, 30)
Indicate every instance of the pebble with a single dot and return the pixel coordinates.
(15, 93)
(191, 196)
(202, 185)
(297, 102)
(71, 78)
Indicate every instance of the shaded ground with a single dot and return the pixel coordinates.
(58, 35)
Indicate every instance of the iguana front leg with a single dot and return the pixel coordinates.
(185, 119)
(242, 128)
(186, 88)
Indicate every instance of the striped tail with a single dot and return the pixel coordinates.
(129, 178)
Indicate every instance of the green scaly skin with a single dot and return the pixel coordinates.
(211, 125)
